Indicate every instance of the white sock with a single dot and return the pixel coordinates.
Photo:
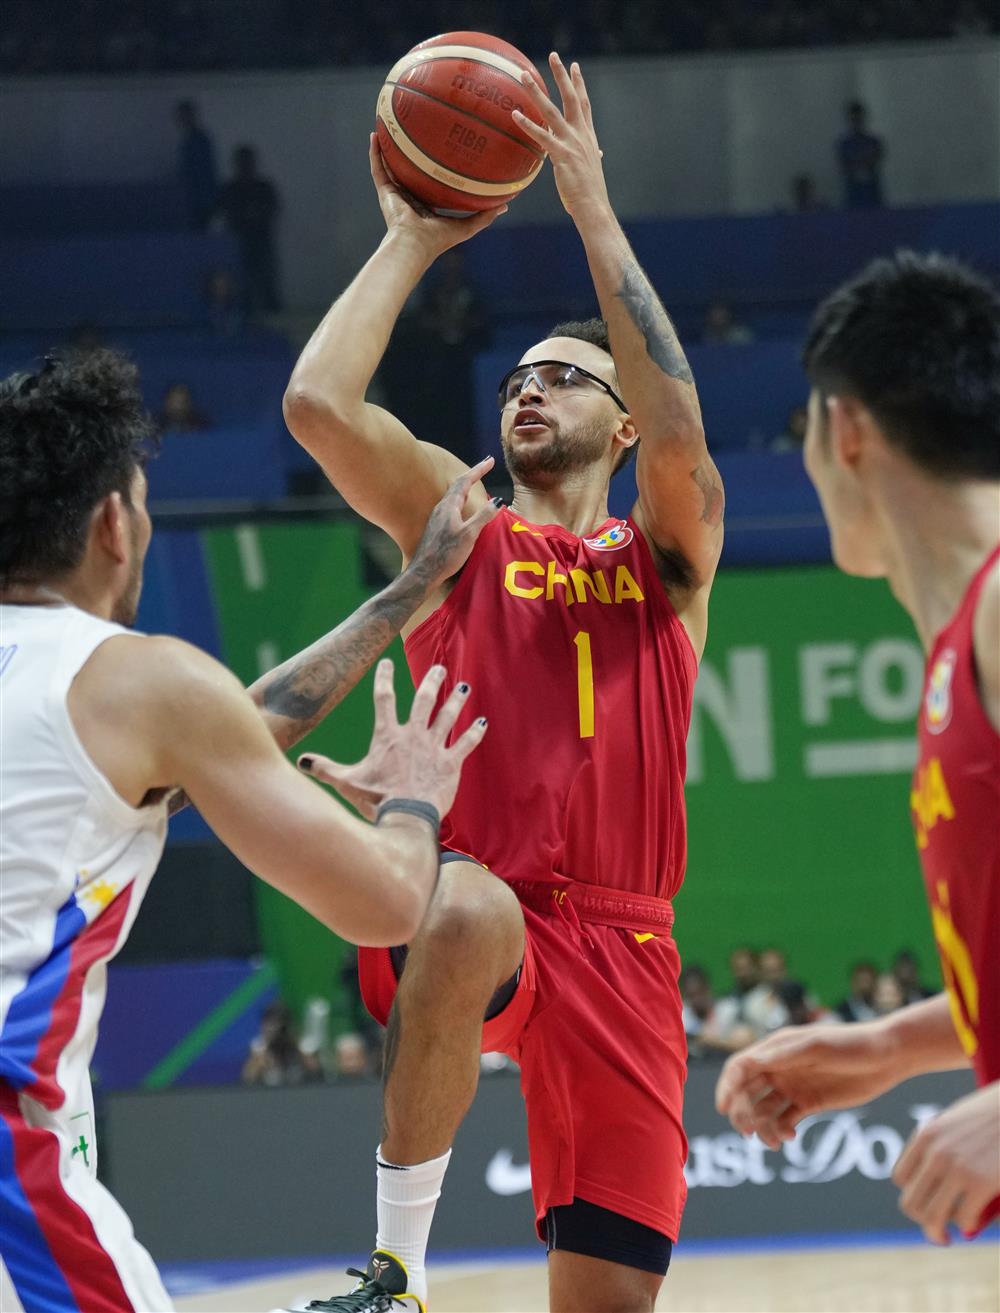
(407, 1197)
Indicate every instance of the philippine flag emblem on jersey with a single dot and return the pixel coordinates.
(937, 703)
(619, 535)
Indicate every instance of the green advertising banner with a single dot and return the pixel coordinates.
(799, 757)
(801, 746)
(277, 589)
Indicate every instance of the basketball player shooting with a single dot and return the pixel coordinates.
(549, 936)
(903, 445)
(101, 732)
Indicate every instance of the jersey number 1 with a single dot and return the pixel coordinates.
(585, 684)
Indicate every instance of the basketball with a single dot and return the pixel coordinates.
(444, 122)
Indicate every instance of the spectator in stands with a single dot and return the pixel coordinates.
(709, 1025)
(351, 1056)
(906, 969)
(250, 205)
(178, 412)
(196, 171)
(362, 1024)
(860, 154)
(800, 1009)
(888, 994)
(763, 1009)
(794, 434)
(744, 970)
(275, 1057)
(223, 307)
(859, 1005)
(805, 197)
(721, 326)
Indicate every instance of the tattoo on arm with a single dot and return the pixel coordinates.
(308, 686)
(653, 323)
(710, 488)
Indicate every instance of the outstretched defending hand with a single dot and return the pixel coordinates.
(402, 211)
(950, 1168)
(768, 1088)
(569, 139)
(408, 760)
(448, 538)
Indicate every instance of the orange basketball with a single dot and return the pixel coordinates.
(444, 122)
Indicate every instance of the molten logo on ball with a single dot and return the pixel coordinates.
(461, 82)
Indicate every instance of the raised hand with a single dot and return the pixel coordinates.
(449, 539)
(408, 760)
(403, 212)
(569, 139)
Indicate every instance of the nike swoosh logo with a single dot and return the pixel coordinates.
(518, 527)
(505, 1177)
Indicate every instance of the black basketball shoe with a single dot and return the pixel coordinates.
(382, 1289)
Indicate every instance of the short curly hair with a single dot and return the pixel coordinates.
(70, 433)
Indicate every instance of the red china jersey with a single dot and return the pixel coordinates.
(956, 814)
(585, 673)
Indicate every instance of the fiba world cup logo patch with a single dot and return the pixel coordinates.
(619, 535)
(937, 703)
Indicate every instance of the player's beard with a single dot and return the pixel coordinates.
(558, 454)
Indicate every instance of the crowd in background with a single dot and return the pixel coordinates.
(762, 997)
(49, 36)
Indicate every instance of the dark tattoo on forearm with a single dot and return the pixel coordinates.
(653, 323)
(710, 488)
(308, 686)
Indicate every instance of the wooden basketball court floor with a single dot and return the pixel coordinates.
(964, 1278)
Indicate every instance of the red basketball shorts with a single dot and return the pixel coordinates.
(595, 1026)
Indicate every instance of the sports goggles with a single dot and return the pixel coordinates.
(552, 376)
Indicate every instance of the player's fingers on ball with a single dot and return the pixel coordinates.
(444, 721)
(470, 740)
(550, 111)
(427, 695)
(541, 136)
(485, 217)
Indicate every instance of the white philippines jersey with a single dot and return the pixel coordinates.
(75, 863)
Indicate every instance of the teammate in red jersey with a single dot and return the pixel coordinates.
(903, 445)
(588, 630)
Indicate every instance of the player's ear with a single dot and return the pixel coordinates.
(626, 435)
(845, 426)
(111, 527)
